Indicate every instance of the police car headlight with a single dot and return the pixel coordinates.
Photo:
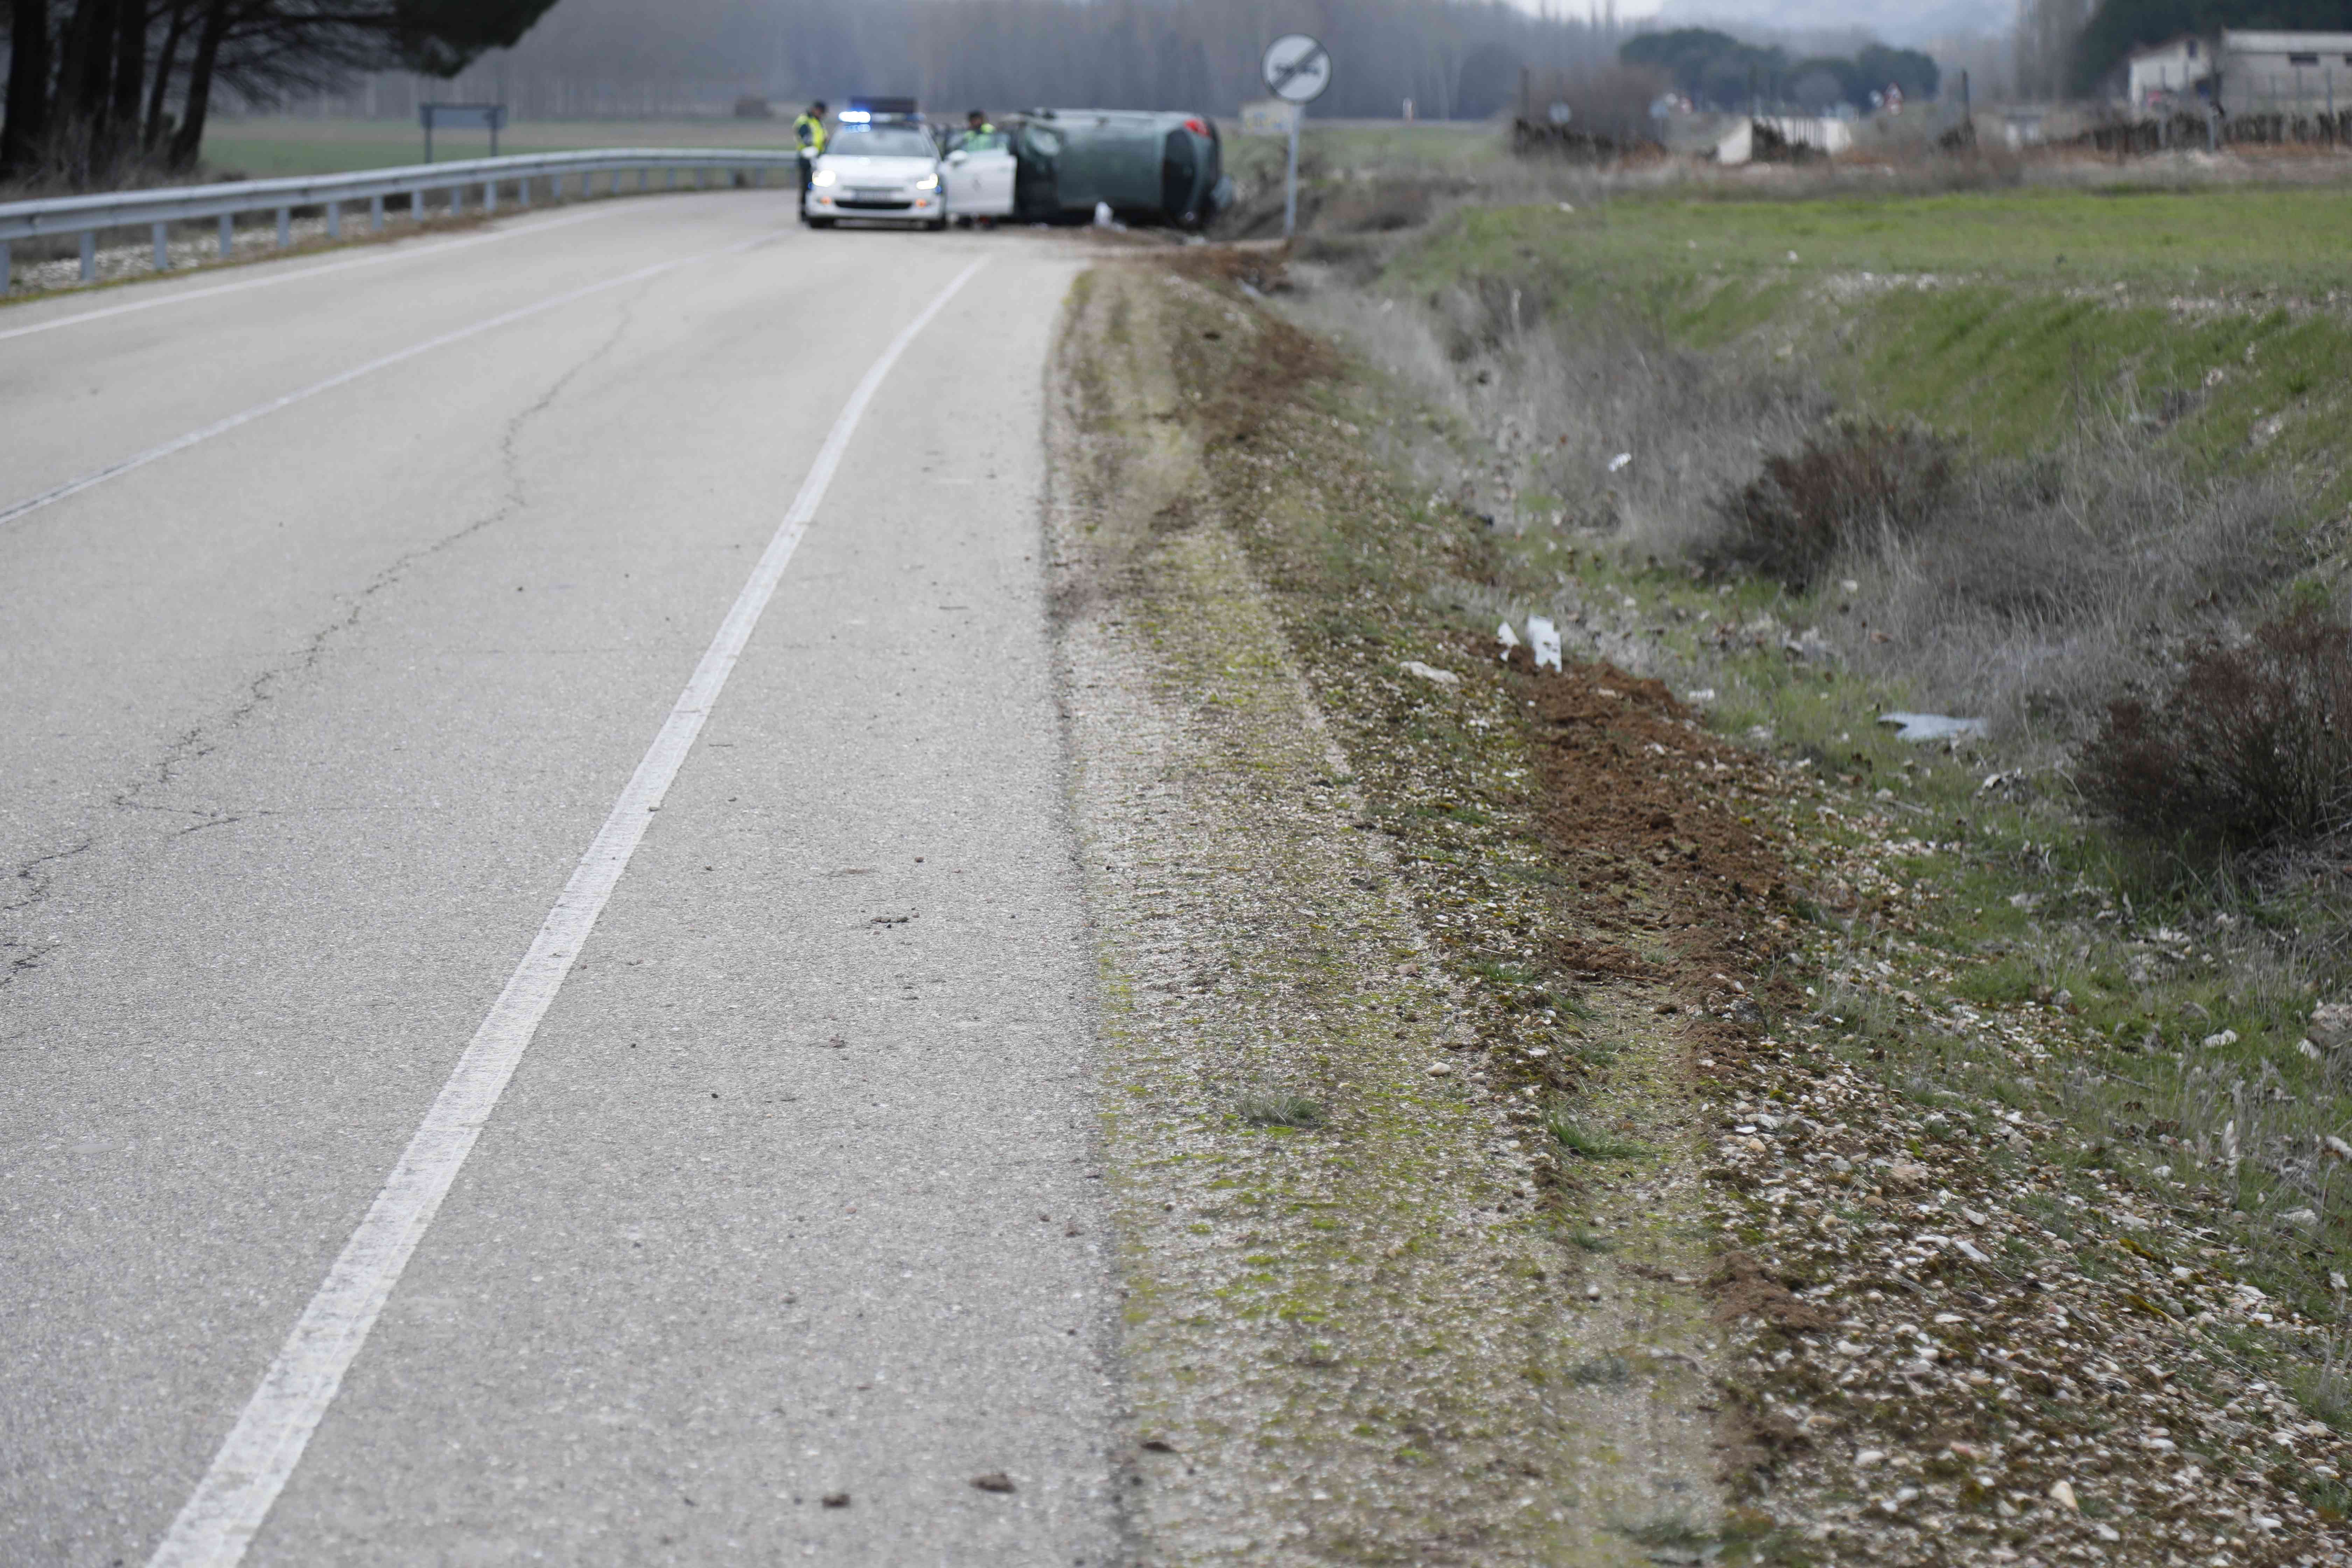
(822, 177)
(927, 183)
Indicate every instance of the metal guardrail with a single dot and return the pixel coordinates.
(162, 207)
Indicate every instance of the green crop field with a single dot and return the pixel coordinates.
(2270, 239)
(2009, 315)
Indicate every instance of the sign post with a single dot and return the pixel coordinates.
(1296, 69)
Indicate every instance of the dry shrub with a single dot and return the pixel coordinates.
(2042, 586)
(1854, 488)
(2251, 750)
(1554, 397)
(2025, 590)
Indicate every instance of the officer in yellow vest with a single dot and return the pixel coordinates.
(975, 126)
(808, 132)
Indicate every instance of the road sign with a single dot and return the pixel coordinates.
(1268, 117)
(489, 117)
(1297, 68)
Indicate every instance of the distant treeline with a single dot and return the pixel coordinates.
(2118, 26)
(1718, 71)
(1453, 59)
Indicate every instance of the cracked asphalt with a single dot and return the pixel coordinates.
(303, 727)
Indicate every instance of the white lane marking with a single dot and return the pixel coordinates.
(344, 377)
(259, 1456)
(399, 253)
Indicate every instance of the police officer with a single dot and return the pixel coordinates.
(808, 132)
(976, 125)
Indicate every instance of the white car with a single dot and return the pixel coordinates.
(979, 172)
(884, 170)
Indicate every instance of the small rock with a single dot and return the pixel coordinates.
(1592, 1292)
(1906, 1174)
(1868, 1458)
(1430, 672)
(1440, 1070)
(2215, 1042)
(2062, 1494)
(835, 1500)
(995, 1481)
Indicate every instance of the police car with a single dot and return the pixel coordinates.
(881, 164)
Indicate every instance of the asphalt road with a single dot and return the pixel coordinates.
(303, 727)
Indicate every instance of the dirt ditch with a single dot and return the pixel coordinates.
(1536, 962)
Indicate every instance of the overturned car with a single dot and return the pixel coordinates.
(1146, 167)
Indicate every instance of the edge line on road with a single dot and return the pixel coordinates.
(411, 253)
(115, 471)
(258, 1456)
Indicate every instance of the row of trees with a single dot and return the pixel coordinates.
(1452, 57)
(1718, 71)
(96, 87)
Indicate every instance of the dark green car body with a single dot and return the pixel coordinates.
(1147, 168)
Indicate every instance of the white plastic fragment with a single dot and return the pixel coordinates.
(1506, 637)
(1545, 639)
(1620, 460)
(1430, 672)
(2226, 1038)
(1923, 727)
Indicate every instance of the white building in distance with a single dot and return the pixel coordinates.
(2180, 69)
(2284, 73)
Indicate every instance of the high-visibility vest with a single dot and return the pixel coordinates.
(809, 131)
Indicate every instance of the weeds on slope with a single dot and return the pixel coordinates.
(2016, 1070)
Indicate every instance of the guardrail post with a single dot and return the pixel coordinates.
(416, 205)
(227, 235)
(163, 251)
(90, 255)
(375, 214)
(7, 277)
(522, 192)
(334, 220)
(490, 196)
(285, 227)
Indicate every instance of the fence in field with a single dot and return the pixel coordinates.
(160, 209)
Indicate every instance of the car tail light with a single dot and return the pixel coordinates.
(1196, 128)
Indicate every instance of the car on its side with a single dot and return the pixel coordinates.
(1148, 168)
(877, 168)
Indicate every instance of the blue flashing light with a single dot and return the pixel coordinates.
(856, 117)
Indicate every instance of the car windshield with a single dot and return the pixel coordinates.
(883, 142)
